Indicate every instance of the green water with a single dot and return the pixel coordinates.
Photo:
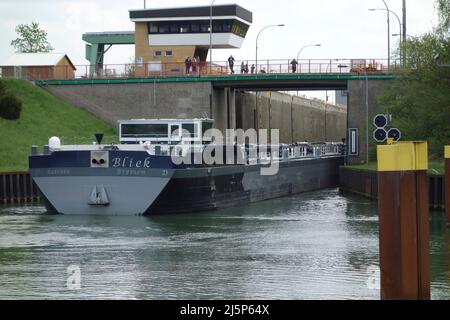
(318, 245)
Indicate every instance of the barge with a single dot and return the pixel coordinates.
(143, 174)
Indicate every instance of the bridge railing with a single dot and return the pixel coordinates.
(220, 68)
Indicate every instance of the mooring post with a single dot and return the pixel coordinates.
(403, 220)
(447, 183)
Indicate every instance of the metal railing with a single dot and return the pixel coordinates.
(221, 68)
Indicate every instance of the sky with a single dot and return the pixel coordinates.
(344, 28)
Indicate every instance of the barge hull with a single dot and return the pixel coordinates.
(197, 191)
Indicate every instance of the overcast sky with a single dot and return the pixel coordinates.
(345, 28)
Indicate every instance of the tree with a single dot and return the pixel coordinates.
(443, 7)
(419, 100)
(31, 39)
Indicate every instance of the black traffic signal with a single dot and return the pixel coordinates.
(380, 120)
(395, 134)
(380, 135)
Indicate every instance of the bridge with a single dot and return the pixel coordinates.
(213, 91)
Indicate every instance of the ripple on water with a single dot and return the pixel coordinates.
(316, 245)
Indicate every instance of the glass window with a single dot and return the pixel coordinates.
(169, 53)
(190, 128)
(195, 27)
(144, 130)
(217, 27)
(157, 53)
(174, 28)
(239, 28)
(153, 27)
(226, 27)
(184, 28)
(204, 27)
(164, 28)
(206, 126)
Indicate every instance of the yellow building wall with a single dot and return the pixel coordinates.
(144, 50)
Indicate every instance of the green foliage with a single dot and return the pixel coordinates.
(2, 89)
(43, 115)
(443, 7)
(420, 98)
(10, 107)
(31, 39)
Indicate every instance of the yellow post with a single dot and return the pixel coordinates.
(403, 220)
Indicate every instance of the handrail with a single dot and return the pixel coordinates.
(218, 68)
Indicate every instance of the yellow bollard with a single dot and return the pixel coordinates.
(403, 220)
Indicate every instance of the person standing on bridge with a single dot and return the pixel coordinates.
(231, 64)
(253, 69)
(242, 67)
(294, 65)
(188, 64)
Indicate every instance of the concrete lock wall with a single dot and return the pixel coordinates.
(113, 102)
(298, 118)
(357, 111)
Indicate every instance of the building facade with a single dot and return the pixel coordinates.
(33, 66)
(165, 38)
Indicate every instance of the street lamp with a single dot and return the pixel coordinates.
(399, 22)
(388, 33)
(210, 35)
(309, 45)
(272, 25)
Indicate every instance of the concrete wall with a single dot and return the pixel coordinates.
(299, 119)
(125, 101)
(357, 111)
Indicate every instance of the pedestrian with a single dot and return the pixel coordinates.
(188, 64)
(231, 63)
(198, 63)
(194, 65)
(253, 69)
(246, 68)
(294, 65)
(242, 67)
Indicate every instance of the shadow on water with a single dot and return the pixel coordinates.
(315, 245)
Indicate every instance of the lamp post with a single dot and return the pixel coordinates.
(210, 35)
(257, 37)
(399, 25)
(388, 33)
(309, 45)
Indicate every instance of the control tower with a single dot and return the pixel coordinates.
(165, 37)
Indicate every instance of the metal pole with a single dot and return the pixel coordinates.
(367, 119)
(389, 35)
(400, 31)
(404, 31)
(257, 37)
(145, 4)
(309, 45)
(210, 36)
(399, 24)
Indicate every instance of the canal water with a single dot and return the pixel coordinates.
(317, 245)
